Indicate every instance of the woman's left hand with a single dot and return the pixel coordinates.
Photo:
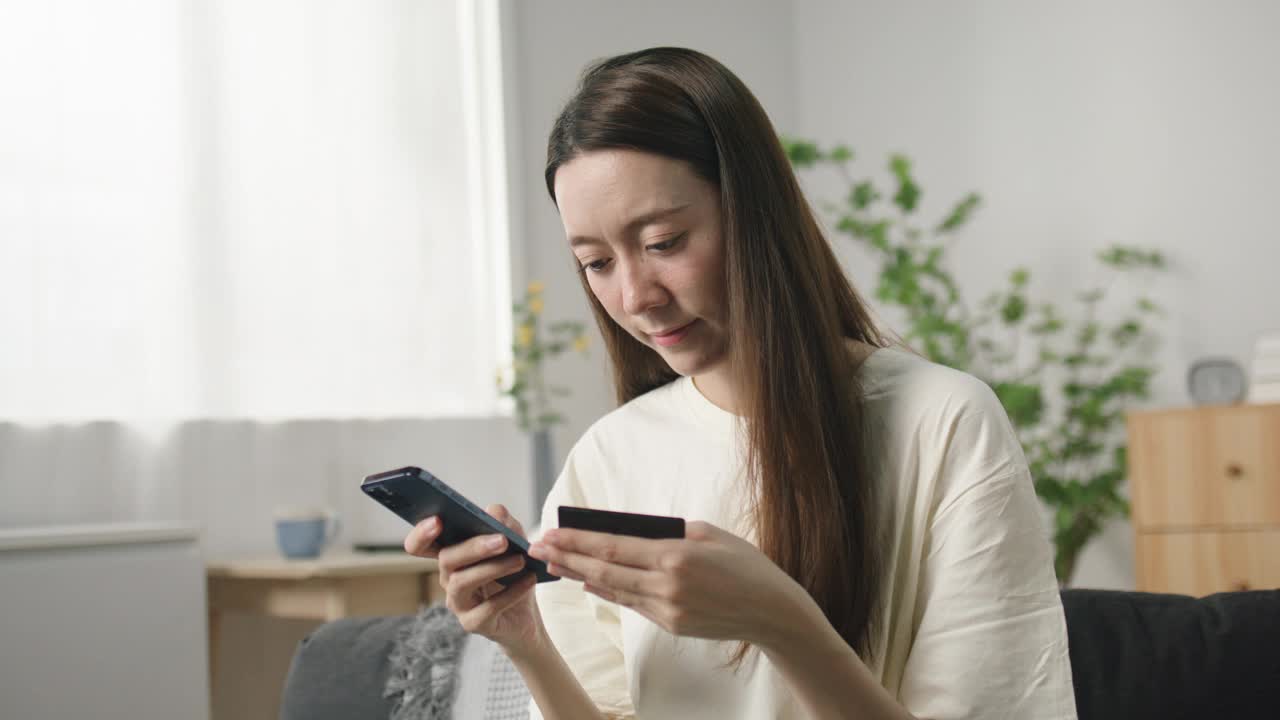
(710, 584)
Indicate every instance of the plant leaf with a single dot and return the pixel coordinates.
(908, 195)
(802, 154)
(841, 154)
(1023, 402)
(959, 214)
(862, 195)
(1014, 309)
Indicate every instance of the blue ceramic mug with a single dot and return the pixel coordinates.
(305, 533)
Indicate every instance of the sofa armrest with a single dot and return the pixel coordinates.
(340, 670)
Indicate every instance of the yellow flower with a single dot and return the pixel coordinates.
(524, 335)
(535, 306)
(535, 287)
(580, 343)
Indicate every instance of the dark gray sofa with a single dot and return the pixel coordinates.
(1133, 656)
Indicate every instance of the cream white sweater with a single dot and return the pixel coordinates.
(973, 626)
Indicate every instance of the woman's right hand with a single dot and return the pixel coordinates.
(469, 570)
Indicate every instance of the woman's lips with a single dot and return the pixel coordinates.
(673, 337)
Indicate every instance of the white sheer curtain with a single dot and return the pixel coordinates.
(249, 251)
(250, 209)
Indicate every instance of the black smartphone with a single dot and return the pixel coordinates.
(415, 495)
(658, 527)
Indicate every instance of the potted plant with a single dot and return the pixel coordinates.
(1064, 381)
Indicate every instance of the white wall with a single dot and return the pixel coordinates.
(553, 42)
(1082, 124)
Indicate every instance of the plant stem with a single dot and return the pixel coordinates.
(539, 383)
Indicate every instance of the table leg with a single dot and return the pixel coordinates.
(215, 631)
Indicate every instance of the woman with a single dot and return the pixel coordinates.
(863, 539)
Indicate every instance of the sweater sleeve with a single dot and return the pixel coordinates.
(584, 628)
(990, 634)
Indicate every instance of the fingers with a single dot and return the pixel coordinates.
(699, 530)
(463, 588)
(471, 551)
(500, 602)
(506, 518)
(616, 549)
(596, 571)
(512, 593)
(600, 592)
(422, 537)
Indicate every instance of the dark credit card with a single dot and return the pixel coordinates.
(657, 527)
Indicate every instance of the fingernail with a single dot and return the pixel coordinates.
(495, 542)
(432, 524)
(535, 550)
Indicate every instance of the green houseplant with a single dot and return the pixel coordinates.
(1064, 381)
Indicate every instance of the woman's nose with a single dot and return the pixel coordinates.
(641, 290)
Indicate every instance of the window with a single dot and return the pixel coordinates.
(266, 209)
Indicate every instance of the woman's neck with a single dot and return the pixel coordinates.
(718, 390)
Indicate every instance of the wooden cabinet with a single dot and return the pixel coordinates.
(1199, 563)
(1205, 490)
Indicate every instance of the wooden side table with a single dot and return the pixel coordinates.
(324, 589)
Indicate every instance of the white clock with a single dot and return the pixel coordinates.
(1216, 381)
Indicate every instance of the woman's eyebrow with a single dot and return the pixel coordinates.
(633, 224)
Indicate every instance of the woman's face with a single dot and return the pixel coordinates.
(645, 230)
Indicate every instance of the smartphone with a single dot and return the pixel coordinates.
(415, 494)
(658, 527)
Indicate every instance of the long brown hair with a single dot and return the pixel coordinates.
(790, 310)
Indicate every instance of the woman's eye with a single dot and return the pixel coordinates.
(666, 244)
(595, 266)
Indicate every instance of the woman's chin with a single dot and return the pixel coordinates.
(688, 364)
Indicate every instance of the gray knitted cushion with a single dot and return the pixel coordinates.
(438, 672)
